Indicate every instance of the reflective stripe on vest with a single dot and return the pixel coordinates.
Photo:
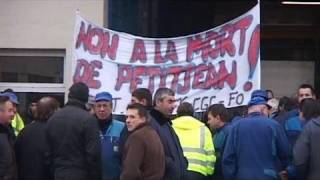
(197, 150)
(199, 156)
(202, 144)
(201, 163)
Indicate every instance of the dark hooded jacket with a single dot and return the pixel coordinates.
(31, 152)
(74, 143)
(306, 151)
(8, 167)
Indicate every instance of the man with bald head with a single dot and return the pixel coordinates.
(31, 143)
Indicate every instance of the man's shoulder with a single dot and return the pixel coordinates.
(115, 128)
(313, 124)
(117, 124)
(4, 141)
(293, 124)
(154, 123)
(138, 135)
(257, 120)
(287, 115)
(144, 133)
(226, 129)
(72, 112)
(3, 129)
(158, 117)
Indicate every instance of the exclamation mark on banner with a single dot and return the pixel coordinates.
(253, 55)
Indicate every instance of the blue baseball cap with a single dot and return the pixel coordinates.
(12, 97)
(259, 97)
(103, 96)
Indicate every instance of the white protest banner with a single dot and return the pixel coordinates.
(221, 65)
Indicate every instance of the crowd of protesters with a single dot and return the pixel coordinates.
(268, 139)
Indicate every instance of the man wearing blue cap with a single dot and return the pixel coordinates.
(17, 122)
(110, 130)
(255, 144)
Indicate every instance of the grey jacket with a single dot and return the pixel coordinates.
(306, 151)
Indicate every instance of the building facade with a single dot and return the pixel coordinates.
(36, 38)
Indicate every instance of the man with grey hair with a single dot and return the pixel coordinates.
(164, 104)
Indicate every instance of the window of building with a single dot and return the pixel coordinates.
(32, 74)
(31, 69)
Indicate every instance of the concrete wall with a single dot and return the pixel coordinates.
(49, 24)
(284, 77)
(45, 24)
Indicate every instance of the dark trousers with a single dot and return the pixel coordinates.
(191, 175)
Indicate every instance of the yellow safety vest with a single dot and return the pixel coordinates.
(17, 124)
(196, 141)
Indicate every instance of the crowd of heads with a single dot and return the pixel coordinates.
(262, 102)
(164, 101)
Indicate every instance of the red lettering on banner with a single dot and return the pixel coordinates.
(194, 46)
(206, 76)
(198, 81)
(139, 52)
(209, 51)
(95, 48)
(212, 77)
(175, 71)
(152, 72)
(225, 76)
(253, 56)
(171, 53)
(187, 78)
(242, 25)
(216, 44)
(136, 80)
(158, 59)
(82, 37)
(163, 78)
(86, 72)
(226, 42)
(124, 76)
(102, 46)
(253, 51)
(111, 50)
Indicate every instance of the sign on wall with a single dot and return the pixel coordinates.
(220, 65)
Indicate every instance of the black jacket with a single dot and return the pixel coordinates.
(73, 139)
(306, 151)
(176, 163)
(8, 168)
(31, 152)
